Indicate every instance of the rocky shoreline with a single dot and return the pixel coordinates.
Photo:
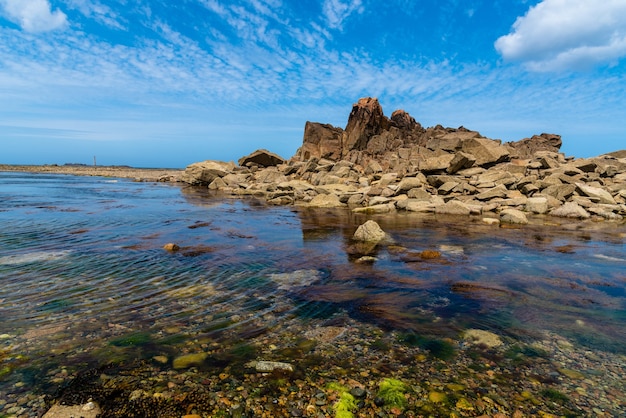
(378, 165)
(137, 174)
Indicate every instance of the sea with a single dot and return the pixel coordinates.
(86, 281)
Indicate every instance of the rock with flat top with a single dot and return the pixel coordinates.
(596, 194)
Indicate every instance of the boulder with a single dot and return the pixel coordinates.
(527, 147)
(88, 410)
(204, 172)
(436, 163)
(262, 158)
(570, 210)
(537, 205)
(513, 216)
(453, 207)
(460, 161)
(486, 151)
(409, 183)
(496, 192)
(320, 141)
(596, 194)
(370, 231)
(326, 201)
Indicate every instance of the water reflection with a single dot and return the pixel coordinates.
(84, 275)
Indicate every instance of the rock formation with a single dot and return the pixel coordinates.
(261, 158)
(379, 164)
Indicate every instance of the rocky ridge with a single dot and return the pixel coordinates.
(379, 165)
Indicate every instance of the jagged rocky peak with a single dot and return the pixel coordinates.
(365, 121)
(371, 136)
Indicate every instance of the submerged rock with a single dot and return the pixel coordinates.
(482, 337)
(88, 410)
(189, 360)
(262, 366)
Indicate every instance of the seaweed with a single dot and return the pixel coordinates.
(346, 404)
(392, 392)
(437, 348)
(554, 395)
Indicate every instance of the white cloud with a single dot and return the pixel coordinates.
(567, 34)
(337, 11)
(33, 15)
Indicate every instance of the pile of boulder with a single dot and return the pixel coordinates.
(379, 165)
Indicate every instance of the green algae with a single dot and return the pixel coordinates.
(392, 392)
(554, 395)
(437, 348)
(346, 404)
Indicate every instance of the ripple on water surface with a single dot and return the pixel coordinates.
(83, 272)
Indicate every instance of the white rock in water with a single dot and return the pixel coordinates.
(482, 337)
(298, 278)
(269, 366)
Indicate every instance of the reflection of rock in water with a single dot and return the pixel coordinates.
(295, 279)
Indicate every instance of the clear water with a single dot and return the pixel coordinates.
(83, 272)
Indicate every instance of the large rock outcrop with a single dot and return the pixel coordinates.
(379, 164)
(528, 147)
(398, 143)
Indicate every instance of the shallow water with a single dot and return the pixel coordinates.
(84, 278)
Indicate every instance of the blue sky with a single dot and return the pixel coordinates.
(154, 83)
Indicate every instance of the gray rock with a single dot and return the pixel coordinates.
(537, 205)
(499, 191)
(570, 210)
(326, 201)
(370, 231)
(408, 183)
(596, 194)
(453, 207)
(262, 366)
(513, 216)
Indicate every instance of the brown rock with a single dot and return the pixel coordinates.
(527, 147)
(460, 161)
(486, 151)
(171, 247)
(261, 157)
(204, 172)
(365, 121)
(320, 141)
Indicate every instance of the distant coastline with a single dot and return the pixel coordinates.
(137, 174)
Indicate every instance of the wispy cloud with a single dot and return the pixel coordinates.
(337, 11)
(567, 35)
(33, 15)
(256, 67)
(97, 11)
